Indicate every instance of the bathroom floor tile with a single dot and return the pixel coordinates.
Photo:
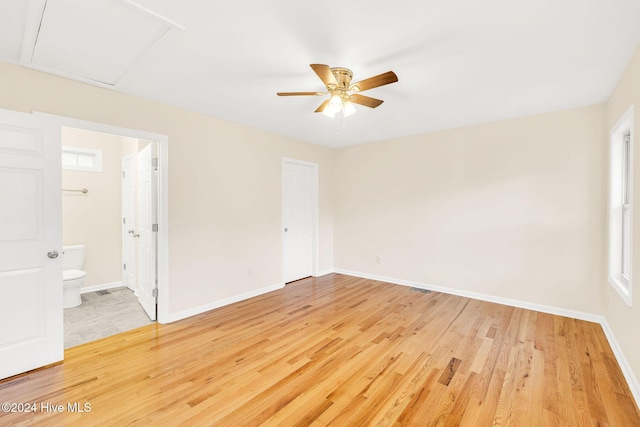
(101, 316)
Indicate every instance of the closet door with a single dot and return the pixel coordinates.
(299, 213)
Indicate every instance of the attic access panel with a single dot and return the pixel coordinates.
(97, 41)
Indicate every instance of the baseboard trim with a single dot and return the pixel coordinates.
(483, 297)
(628, 373)
(221, 303)
(632, 381)
(323, 272)
(100, 287)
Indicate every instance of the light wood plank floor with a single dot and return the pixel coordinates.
(342, 351)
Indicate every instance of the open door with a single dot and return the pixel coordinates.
(147, 228)
(129, 223)
(31, 319)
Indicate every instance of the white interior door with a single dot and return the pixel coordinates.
(129, 223)
(299, 193)
(146, 232)
(31, 326)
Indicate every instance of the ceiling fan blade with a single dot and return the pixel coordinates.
(375, 81)
(300, 93)
(326, 75)
(365, 100)
(322, 106)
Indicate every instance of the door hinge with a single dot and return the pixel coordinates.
(154, 227)
(124, 266)
(124, 220)
(154, 293)
(154, 162)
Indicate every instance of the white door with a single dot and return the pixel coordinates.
(31, 326)
(299, 193)
(146, 232)
(129, 223)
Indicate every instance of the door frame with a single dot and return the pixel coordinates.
(314, 213)
(162, 239)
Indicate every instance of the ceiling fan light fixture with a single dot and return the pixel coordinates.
(349, 108)
(339, 103)
(334, 106)
(336, 102)
(329, 112)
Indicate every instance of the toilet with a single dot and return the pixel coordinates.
(72, 274)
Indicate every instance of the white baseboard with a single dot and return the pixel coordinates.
(323, 272)
(100, 287)
(216, 304)
(628, 373)
(483, 297)
(632, 381)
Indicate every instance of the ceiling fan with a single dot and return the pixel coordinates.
(344, 93)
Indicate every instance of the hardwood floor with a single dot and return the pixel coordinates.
(339, 350)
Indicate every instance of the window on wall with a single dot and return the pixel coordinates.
(620, 206)
(81, 159)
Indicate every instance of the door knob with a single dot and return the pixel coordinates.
(136, 235)
(131, 231)
(52, 254)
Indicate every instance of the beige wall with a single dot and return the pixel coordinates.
(625, 320)
(511, 209)
(129, 146)
(224, 184)
(94, 219)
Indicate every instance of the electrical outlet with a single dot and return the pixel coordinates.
(377, 259)
(250, 272)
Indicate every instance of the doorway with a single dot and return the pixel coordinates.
(109, 186)
(160, 148)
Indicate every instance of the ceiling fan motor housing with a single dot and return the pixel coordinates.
(343, 76)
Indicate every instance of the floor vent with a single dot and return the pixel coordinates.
(105, 292)
(424, 291)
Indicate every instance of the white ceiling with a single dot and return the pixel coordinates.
(459, 62)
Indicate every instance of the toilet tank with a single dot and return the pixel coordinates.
(73, 257)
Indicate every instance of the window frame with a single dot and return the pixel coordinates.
(95, 153)
(621, 206)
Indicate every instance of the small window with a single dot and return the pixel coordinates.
(81, 159)
(620, 206)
